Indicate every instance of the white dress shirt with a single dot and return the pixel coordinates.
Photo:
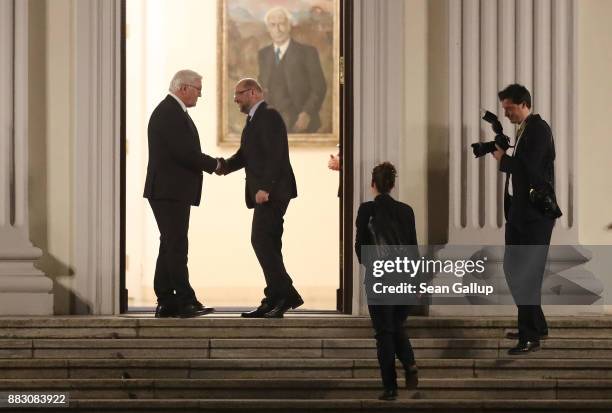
(283, 49)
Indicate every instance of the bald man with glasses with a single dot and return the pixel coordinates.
(270, 185)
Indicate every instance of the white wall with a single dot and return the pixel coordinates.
(595, 122)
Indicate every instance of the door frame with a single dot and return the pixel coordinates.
(345, 290)
(344, 294)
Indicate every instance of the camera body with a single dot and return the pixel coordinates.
(483, 148)
(545, 201)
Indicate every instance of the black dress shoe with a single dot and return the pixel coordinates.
(283, 305)
(524, 348)
(412, 377)
(165, 311)
(259, 312)
(193, 310)
(514, 335)
(388, 394)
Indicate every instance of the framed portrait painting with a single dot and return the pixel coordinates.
(292, 48)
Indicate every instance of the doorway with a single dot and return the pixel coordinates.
(159, 40)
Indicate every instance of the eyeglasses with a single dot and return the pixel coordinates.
(199, 89)
(240, 92)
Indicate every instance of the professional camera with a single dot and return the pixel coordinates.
(483, 148)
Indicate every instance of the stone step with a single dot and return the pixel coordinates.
(293, 326)
(317, 389)
(344, 406)
(511, 368)
(299, 368)
(289, 348)
(467, 348)
(330, 405)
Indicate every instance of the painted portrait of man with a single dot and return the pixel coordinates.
(291, 47)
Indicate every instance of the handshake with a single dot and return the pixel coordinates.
(221, 167)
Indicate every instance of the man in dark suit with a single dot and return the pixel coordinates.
(528, 230)
(270, 185)
(291, 75)
(173, 184)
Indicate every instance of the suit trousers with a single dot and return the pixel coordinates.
(391, 340)
(171, 282)
(266, 239)
(525, 278)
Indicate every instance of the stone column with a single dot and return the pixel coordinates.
(24, 290)
(378, 73)
(97, 155)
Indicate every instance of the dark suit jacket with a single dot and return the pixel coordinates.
(176, 160)
(389, 213)
(304, 77)
(531, 166)
(264, 154)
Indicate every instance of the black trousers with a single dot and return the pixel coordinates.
(171, 282)
(524, 265)
(391, 340)
(266, 239)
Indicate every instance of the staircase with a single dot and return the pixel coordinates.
(301, 363)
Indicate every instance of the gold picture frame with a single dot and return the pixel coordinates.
(245, 47)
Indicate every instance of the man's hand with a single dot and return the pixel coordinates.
(334, 162)
(498, 153)
(302, 122)
(221, 166)
(261, 196)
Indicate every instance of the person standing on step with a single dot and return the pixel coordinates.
(396, 224)
(529, 170)
(270, 186)
(173, 184)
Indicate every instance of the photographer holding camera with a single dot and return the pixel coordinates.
(530, 210)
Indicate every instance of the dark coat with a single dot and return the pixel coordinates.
(531, 166)
(264, 154)
(176, 160)
(391, 216)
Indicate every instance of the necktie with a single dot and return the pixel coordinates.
(277, 55)
(519, 132)
(248, 120)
